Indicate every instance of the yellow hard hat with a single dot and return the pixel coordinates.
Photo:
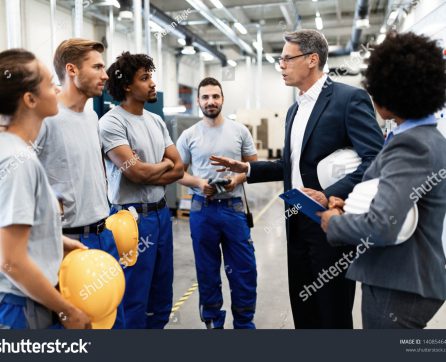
(125, 232)
(93, 281)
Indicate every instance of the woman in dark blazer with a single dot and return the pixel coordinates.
(403, 285)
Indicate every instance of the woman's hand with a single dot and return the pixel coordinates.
(71, 244)
(326, 216)
(75, 319)
(336, 203)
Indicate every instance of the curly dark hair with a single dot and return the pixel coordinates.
(406, 75)
(122, 71)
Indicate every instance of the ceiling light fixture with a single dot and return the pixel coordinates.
(232, 63)
(318, 21)
(188, 50)
(217, 4)
(207, 57)
(269, 58)
(241, 29)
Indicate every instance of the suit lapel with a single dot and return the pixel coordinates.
(321, 103)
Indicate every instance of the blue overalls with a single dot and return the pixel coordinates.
(223, 222)
(12, 307)
(14, 310)
(148, 294)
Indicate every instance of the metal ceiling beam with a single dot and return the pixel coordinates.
(162, 19)
(226, 30)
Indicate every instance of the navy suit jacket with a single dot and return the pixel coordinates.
(343, 116)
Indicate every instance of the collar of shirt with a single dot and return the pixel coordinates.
(313, 93)
(412, 123)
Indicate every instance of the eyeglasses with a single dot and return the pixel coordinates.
(287, 59)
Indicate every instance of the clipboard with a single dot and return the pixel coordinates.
(303, 203)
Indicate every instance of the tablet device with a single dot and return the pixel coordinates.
(303, 203)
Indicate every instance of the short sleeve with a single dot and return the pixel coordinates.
(167, 140)
(112, 133)
(18, 190)
(248, 148)
(183, 148)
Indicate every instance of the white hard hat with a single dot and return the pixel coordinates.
(335, 166)
(359, 200)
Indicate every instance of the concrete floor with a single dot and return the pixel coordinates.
(273, 309)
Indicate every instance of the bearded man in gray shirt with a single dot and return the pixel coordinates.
(70, 149)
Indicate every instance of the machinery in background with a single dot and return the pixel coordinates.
(267, 128)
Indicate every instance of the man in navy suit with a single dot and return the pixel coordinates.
(326, 116)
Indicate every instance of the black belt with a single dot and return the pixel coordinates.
(143, 208)
(95, 228)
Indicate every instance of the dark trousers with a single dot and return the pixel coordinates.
(393, 309)
(320, 295)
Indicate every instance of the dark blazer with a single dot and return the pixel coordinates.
(343, 116)
(411, 168)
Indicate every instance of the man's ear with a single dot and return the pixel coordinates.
(29, 100)
(70, 69)
(314, 60)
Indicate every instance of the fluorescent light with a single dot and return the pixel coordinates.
(125, 15)
(318, 14)
(114, 3)
(380, 38)
(232, 63)
(319, 24)
(207, 57)
(314, 1)
(392, 17)
(232, 116)
(277, 67)
(362, 23)
(269, 58)
(217, 4)
(181, 41)
(174, 109)
(241, 29)
(188, 50)
(383, 29)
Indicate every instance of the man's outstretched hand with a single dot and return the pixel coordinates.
(228, 164)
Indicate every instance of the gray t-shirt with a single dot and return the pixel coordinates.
(26, 198)
(70, 152)
(148, 137)
(199, 142)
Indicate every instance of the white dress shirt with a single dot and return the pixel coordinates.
(306, 102)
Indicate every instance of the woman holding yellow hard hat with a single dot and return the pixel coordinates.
(31, 242)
